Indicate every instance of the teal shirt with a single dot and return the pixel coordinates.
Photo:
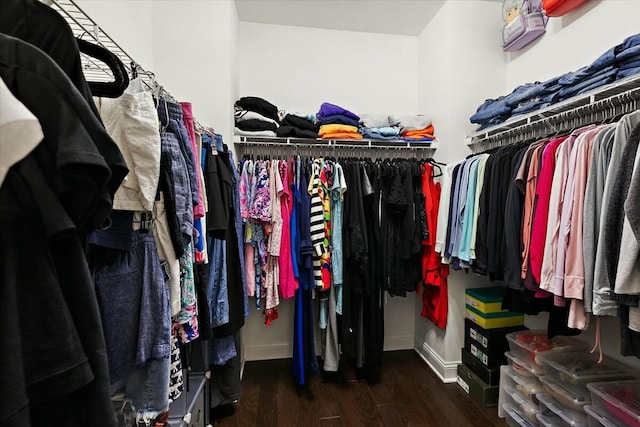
(464, 254)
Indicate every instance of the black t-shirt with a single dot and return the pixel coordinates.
(512, 249)
(77, 156)
(61, 349)
(38, 24)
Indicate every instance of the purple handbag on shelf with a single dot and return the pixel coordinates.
(524, 21)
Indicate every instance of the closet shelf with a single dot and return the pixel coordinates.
(600, 104)
(352, 144)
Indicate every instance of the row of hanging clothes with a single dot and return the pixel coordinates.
(340, 232)
(120, 235)
(60, 170)
(555, 220)
(166, 271)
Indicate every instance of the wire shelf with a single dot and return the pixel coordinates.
(86, 28)
(343, 147)
(599, 105)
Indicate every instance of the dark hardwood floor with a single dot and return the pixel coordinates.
(408, 394)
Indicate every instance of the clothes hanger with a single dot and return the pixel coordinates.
(112, 89)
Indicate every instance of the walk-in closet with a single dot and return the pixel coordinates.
(318, 213)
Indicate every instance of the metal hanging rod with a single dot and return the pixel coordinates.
(360, 144)
(84, 27)
(603, 104)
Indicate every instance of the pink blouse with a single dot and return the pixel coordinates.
(288, 282)
(543, 194)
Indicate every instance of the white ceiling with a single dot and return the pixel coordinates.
(404, 17)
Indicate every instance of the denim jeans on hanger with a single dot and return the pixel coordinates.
(177, 189)
(217, 295)
(134, 302)
(171, 117)
(238, 224)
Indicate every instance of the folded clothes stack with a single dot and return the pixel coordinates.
(376, 126)
(628, 59)
(255, 117)
(622, 60)
(297, 125)
(337, 123)
(414, 128)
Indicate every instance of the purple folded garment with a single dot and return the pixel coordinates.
(327, 109)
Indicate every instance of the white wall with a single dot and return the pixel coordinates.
(299, 68)
(128, 23)
(460, 64)
(190, 45)
(574, 40)
(194, 57)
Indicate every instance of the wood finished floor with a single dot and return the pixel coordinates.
(408, 394)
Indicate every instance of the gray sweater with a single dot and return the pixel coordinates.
(592, 206)
(603, 302)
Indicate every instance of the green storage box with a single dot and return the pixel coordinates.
(479, 391)
(494, 320)
(486, 300)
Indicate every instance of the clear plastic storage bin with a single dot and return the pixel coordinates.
(523, 368)
(617, 401)
(549, 419)
(514, 418)
(569, 415)
(574, 370)
(527, 345)
(595, 419)
(525, 407)
(528, 386)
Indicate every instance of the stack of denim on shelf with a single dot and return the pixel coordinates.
(616, 63)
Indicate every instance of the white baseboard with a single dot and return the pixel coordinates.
(398, 342)
(285, 350)
(267, 352)
(446, 371)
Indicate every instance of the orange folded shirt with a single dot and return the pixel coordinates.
(342, 135)
(337, 128)
(422, 133)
